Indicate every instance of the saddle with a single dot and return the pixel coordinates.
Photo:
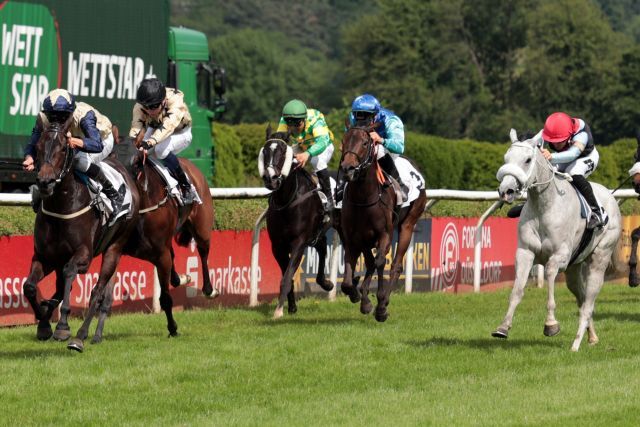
(101, 201)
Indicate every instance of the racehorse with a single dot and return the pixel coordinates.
(550, 232)
(634, 278)
(367, 220)
(161, 218)
(69, 232)
(295, 217)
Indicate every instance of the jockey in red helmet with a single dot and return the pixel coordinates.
(574, 152)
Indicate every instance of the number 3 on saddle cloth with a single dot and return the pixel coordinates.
(103, 203)
(409, 175)
(172, 183)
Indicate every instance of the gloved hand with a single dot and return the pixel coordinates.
(144, 145)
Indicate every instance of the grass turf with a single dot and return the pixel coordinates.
(432, 363)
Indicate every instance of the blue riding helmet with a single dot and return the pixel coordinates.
(366, 103)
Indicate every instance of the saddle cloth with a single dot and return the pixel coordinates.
(171, 182)
(585, 209)
(118, 183)
(409, 176)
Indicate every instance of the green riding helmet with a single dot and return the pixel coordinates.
(294, 109)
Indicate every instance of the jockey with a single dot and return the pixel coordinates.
(574, 153)
(314, 140)
(389, 136)
(165, 116)
(89, 134)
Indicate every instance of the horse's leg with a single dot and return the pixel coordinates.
(164, 266)
(288, 266)
(594, 279)
(551, 325)
(80, 261)
(105, 307)
(370, 263)
(203, 243)
(634, 278)
(405, 232)
(321, 248)
(110, 260)
(575, 283)
(384, 290)
(524, 262)
(49, 306)
(348, 287)
(30, 291)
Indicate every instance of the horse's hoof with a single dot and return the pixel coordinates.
(173, 334)
(62, 334)
(278, 313)
(551, 330)
(500, 333)
(214, 294)
(634, 282)
(44, 334)
(366, 308)
(96, 339)
(327, 285)
(76, 344)
(382, 316)
(356, 280)
(292, 309)
(352, 292)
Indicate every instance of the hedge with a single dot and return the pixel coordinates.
(445, 163)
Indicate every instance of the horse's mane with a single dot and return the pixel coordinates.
(285, 137)
(526, 135)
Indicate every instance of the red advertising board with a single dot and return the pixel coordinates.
(452, 252)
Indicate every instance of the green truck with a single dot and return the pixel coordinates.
(99, 51)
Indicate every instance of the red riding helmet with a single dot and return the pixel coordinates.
(558, 127)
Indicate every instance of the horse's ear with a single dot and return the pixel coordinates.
(513, 135)
(268, 130)
(68, 122)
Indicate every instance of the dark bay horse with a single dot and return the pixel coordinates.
(161, 218)
(294, 217)
(69, 232)
(367, 220)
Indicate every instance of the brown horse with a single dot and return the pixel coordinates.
(161, 218)
(367, 220)
(69, 232)
(295, 217)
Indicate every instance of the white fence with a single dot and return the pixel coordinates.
(433, 196)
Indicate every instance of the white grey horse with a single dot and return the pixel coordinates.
(549, 231)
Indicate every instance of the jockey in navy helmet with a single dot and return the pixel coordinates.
(89, 134)
(389, 135)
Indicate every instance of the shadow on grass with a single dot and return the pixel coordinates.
(36, 353)
(622, 317)
(486, 344)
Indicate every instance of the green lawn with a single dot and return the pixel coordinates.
(432, 363)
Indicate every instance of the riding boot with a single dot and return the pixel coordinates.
(325, 184)
(188, 193)
(116, 197)
(389, 166)
(598, 216)
(340, 183)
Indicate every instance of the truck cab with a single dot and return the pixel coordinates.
(191, 71)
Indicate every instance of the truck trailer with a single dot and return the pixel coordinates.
(99, 52)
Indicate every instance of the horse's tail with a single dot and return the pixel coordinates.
(618, 266)
(183, 237)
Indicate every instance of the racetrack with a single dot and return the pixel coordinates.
(433, 362)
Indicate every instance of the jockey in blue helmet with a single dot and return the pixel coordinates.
(389, 135)
(89, 134)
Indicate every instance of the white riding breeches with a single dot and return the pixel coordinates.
(382, 151)
(175, 143)
(82, 159)
(583, 165)
(319, 162)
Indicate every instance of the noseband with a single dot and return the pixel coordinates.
(49, 146)
(363, 164)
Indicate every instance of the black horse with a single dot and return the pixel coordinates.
(69, 232)
(367, 220)
(295, 217)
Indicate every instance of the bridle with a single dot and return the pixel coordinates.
(523, 178)
(68, 152)
(363, 164)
